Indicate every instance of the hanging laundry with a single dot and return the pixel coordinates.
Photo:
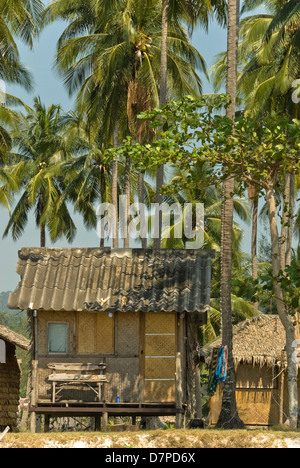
(218, 369)
(222, 365)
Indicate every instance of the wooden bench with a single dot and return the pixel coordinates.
(76, 374)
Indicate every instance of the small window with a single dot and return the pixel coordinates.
(58, 338)
(2, 352)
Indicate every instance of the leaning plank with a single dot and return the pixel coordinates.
(4, 433)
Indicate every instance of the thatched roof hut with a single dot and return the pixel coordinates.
(261, 380)
(14, 338)
(9, 376)
(257, 341)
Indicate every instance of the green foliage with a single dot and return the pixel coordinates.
(194, 131)
(289, 280)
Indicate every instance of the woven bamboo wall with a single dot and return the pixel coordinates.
(122, 368)
(258, 406)
(95, 333)
(123, 377)
(9, 389)
(128, 334)
(160, 357)
(44, 318)
(123, 364)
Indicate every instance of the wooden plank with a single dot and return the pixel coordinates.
(76, 378)
(4, 432)
(179, 390)
(34, 395)
(77, 366)
(105, 421)
(122, 411)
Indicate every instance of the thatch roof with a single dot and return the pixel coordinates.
(14, 338)
(257, 341)
(122, 280)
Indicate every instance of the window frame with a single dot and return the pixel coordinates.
(58, 353)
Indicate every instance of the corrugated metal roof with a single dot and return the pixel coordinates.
(113, 280)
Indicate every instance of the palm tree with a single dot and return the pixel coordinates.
(89, 176)
(41, 148)
(191, 12)
(114, 50)
(229, 417)
(18, 19)
(268, 58)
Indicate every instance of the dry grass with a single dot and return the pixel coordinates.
(171, 439)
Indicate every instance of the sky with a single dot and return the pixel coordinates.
(48, 85)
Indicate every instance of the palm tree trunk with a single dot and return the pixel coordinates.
(42, 226)
(43, 235)
(291, 220)
(102, 190)
(162, 102)
(115, 191)
(164, 54)
(281, 309)
(141, 195)
(127, 195)
(255, 206)
(285, 221)
(229, 417)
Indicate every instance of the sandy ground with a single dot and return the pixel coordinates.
(170, 439)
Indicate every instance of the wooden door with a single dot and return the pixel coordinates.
(160, 357)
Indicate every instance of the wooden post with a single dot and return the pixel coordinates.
(34, 422)
(47, 423)
(98, 423)
(281, 398)
(179, 391)
(104, 422)
(142, 358)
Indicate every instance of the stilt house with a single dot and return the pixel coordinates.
(113, 330)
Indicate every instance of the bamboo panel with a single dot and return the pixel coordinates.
(160, 391)
(85, 333)
(160, 368)
(128, 334)
(160, 323)
(160, 345)
(257, 407)
(95, 333)
(123, 377)
(105, 334)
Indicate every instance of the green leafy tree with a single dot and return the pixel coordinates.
(42, 146)
(110, 55)
(260, 154)
(191, 12)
